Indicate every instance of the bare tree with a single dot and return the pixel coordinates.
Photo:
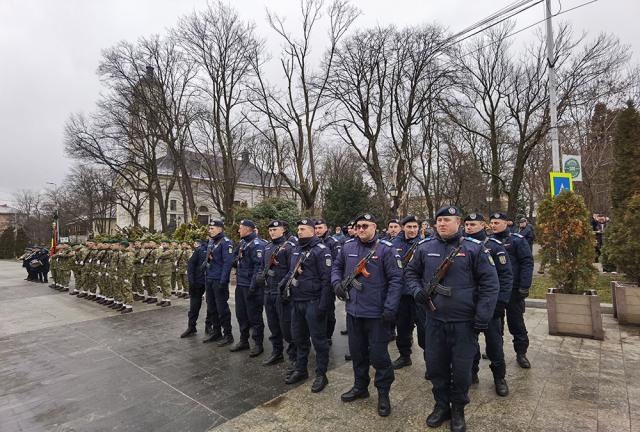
(294, 116)
(222, 46)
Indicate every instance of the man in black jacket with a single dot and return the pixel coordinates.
(196, 276)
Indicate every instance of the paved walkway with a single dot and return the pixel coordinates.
(67, 364)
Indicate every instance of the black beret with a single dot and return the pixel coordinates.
(474, 217)
(499, 215)
(248, 223)
(366, 217)
(449, 211)
(275, 224)
(216, 223)
(407, 219)
(392, 221)
(321, 222)
(351, 223)
(308, 222)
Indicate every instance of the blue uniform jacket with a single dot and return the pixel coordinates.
(333, 244)
(521, 260)
(314, 283)
(195, 272)
(472, 278)
(382, 289)
(249, 252)
(402, 246)
(284, 247)
(220, 255)
(500, 258)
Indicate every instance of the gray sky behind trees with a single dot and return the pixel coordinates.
(50, 50)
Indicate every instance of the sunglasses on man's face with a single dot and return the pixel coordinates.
(362, 226)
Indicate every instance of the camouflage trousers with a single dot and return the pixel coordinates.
(62, 277)
(182, 283)
(163, 284)
(136, 284)
(77, 279)
(122, 291)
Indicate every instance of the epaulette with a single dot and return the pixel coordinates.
(350, 240)
(473, 240)
(256, 241)
(495, 240)
(517, 235)
(386, 242)
(321, 246)
(424, 240)
(227, 239)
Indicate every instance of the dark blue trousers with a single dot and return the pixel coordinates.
(218, 312)
(279, 322)
(515, 322)
(304, 325)
(195, 303)
(249, 314)
(495, 351)
(331, 315)
(450, 353)
(368, 345)
(410, 314)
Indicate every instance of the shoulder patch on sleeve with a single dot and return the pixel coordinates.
(495, 240)
(491, 260)
(386, 242)
(518, 235)
(227, 239)
(473, 240)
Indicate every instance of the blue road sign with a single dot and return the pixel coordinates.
(560, 181)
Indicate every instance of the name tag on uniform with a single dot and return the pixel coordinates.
(433, 254)
(353, 255)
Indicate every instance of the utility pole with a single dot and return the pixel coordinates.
(553, 98)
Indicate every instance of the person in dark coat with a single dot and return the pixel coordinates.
(196, 268)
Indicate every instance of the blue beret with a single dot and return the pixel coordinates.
(499, 215)
(474, 217)
(407, 219)
(368, 217)
(248, 223)
(275, 224)
(216, 223)
(449, 211)
(307, 222)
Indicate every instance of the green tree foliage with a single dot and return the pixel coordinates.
(190, 232)
(625, 179)
(621, 246)
(567, 240)
(7, 243)
(22, 241)
(263, 213)
(346, 197)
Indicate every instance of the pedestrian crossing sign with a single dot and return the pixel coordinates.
(559, 182)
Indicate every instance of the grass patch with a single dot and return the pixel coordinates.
(541, 283)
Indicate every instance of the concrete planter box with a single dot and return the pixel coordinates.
(626, 302)
(574, 315)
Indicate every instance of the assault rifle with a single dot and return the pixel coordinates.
(434, 286)
(361, 269)
(292, 281)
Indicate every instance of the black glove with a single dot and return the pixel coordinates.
(320, 313)
(421, 297)
(523, 293)
(499, 311)
(260, 281)
(479, 328)
(252, 291)
(388, 317)
(340, 291)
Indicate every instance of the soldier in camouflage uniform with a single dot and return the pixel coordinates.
(164, 260)
(126, 261)
(53, 268)
(182, 263)
(64, 273)
(78, 253)
(175, 249)
(148, 271)
(113, 282)
(136, 278)
(90, 271)
(102, 264)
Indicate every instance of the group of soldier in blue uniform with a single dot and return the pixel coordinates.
(452, 285)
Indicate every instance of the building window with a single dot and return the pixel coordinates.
(203, 215)
(173, 205)
(173, 219)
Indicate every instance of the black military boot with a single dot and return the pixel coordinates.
(402, 361)
(344, 332)
(275, 358)
(438, 416)
(213, 337)
(502, 389)
(347, 357)
(319, 383)
(474, 378)
(296, 376)
(457, 419)
(240, 346)
(354, 393)
(523, 361)
(188, 332)
(256, 350)
(226, 340)
(384, 404)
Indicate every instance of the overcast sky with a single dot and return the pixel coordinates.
(50, 49)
